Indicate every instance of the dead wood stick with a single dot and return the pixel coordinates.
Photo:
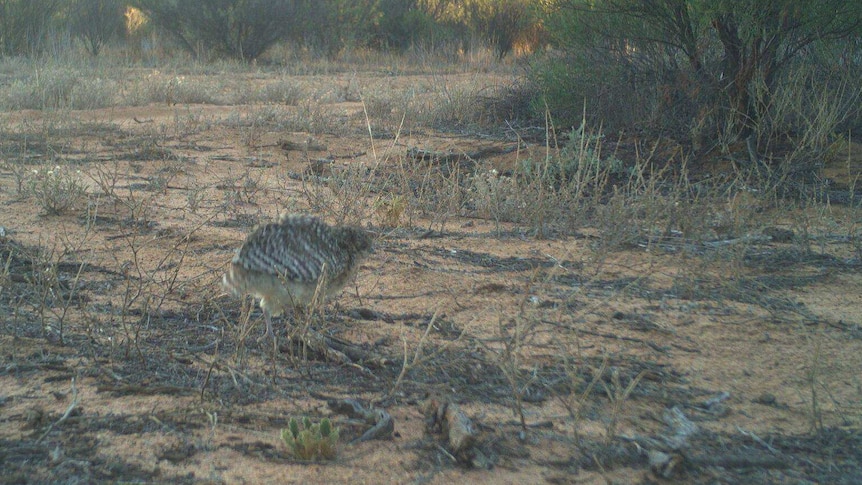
(338, 351)
(371, 359)
(737, 461)
(72, 406)
(445, 157)
(382, 424)
(457, 429)
(124, 390)
(652, 345)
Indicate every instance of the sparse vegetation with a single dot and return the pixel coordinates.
(564, 283)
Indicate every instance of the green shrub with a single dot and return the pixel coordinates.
(579, 160)
(312, 441)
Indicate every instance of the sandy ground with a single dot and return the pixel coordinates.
(122, 359)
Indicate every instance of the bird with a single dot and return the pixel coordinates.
(285, 262)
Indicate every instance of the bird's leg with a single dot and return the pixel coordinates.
(269, 333)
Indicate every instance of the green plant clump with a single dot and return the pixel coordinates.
(313, 441)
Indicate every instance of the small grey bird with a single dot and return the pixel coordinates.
(283, 263)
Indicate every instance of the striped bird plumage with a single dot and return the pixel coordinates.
(283, 263)
(298, 248)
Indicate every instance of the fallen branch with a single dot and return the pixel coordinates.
(336, 350)
(382, 424)
(446, 157)
(134, 389)
(670, 451)
(460, 437)
(72, 406)
(651, 345)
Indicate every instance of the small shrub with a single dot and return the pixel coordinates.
(313, 441)
(57, 190)
(150, 89)
(379, 107)
(342, 196)
(579, 160)
(92, 94)
(158, 88)
(58, 88)
(497, 197)
(454, 108)
(47, 89)
(279, 92)
(183, 91)
(553, 190)
(389, 210)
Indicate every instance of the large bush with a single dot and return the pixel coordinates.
(503, 22)
(96, 22)
(246, 28)
(708, 70)
(332, 25)
(242, 29)
(25, 25)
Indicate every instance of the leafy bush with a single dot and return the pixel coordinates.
(608, 91)
(404, 26)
